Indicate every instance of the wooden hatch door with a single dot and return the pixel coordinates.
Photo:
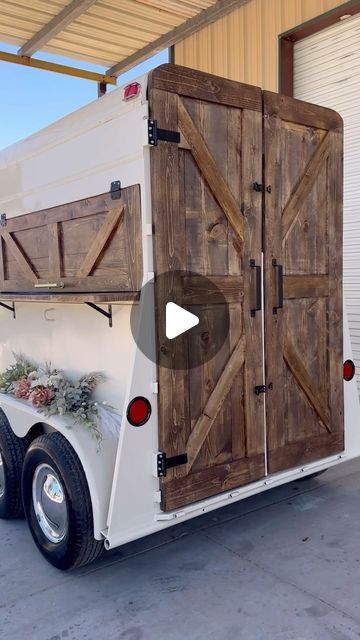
(303, 261)
(207, 222)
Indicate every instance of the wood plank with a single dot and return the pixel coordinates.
(306, 286)
(298, 453)
(133, 235)
(303, 187)
(204, 86)
(21, 260)
(74, 298)
(210, 171)
(114, 217)
(54, 251)
(69, 211)
(169, 256)
(307, 385)
(198, 290)
(214, 403)
(212, 481)
(305, 113)
(251, 165)
(335, 304)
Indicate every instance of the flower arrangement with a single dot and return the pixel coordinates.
(51, 392)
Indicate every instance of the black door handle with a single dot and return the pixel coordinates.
(257, 307)
(279, 285)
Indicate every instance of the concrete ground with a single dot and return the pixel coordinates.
(284, 565)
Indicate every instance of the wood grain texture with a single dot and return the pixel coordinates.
(308, 286)
(306, 384)
(73, 298)
(54, 251)
(81, 246)
(295, 454)
(303, 232)
(204, 86)
(303, 186)
(208, 223)
(169, 257)
(214, 403)
(97, 246)
(211, 481)
(210, 171)
(303, 113)
(23, 263)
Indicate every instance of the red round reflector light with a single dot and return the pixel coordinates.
(138, 411)
(131, 90)
(348, 370)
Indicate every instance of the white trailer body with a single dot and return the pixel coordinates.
(79, 157)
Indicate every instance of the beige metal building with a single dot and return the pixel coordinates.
(244, 45)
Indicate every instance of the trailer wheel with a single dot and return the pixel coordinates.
(57, 503)
(12, 453)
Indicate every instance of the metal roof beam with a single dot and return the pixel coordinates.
(201, 20)
(57, 24)
(57, 68)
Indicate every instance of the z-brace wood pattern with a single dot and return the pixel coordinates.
(209, 220)
(89, 246)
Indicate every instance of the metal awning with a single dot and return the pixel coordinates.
(117, 34)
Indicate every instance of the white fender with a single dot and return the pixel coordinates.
(98, 461)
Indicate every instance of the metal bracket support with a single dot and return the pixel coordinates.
(155, 134)
(107, 314)
(164, 463)
(115, 190)
(9, 308)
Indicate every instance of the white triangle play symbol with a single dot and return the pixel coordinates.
(178, 320)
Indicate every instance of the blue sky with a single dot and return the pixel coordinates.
(32, 99)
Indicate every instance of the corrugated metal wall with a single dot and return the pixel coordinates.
(244, 45)
(327, 71)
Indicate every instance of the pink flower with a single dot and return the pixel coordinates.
(23, 388)
(41, 396)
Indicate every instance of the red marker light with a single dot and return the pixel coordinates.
(348, 370)
(138, 411)
(131, 91)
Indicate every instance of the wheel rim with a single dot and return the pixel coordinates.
(49, 502)
(2, 476)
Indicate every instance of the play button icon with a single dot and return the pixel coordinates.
(183, 319)
(178, 320)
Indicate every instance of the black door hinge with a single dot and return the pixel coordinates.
(155, 134)
(257, 186)
(164, 463)
(3, 221)
(263, 388)
(115, 190)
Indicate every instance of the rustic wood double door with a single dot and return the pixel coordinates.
(247, 191)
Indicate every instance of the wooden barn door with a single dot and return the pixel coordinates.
(208, 222)
(303, 267)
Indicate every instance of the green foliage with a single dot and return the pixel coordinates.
(52, 393)
(21, 369)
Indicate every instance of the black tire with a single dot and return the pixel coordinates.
(12, 450)
(78, 547)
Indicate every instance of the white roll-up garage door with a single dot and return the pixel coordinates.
(327, 72)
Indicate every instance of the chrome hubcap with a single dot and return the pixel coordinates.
(49, 503)
(2, 476)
